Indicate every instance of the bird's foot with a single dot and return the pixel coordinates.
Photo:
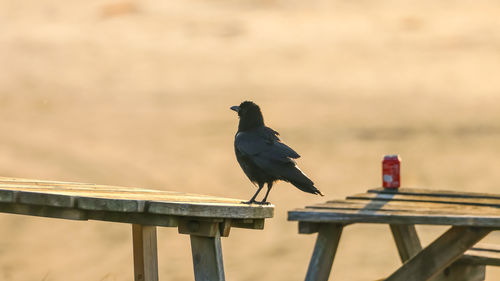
(263, 203)
(249, 202)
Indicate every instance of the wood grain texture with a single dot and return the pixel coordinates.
(134, 218)
(207, 258)
(462, 272)
(43, 211)
(492, 202)
(220, 210)
(248, 223)
(405, 206)
(435, 192)
(145, 253)
(395, 208)
(392, 217)
(198, 227)
(407, 241)
(482, 254)
(441, 253)
(308, 227)
(102, 199)
(472, 215)
(464, 269)
(324, 252)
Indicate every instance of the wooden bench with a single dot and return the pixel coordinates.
(472, 265)
(472, 262)
(205, 218)
(482, 254)
(454, 256)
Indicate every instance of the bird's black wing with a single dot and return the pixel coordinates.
(263, 143)
(263, 147)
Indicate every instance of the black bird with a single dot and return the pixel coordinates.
(262, 155)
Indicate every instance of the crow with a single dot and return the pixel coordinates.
(262, 155)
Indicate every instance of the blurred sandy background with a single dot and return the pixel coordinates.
(137, 93)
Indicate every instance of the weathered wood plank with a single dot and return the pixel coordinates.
(7, 196)
(53, 200)
(145, 253)
(439, 254)
(43, 211)
(75, 214)
(207, 258)
(133, 218)
(397, 204)
(248, 223)
(212, 210)
(109, 204)
(124, 194)
(408, 245)
(198, 227)
(10, 179)
(308, 227)
(487, 247)
(492, 202)
(482, 254)
(324, 252)
(391, 217)
(407, 241)
(77, 189)
(104, 198)
(404, 206)
(435, 192)
(462, 272)
(225, 227)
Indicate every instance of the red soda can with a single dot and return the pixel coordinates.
(390, 171)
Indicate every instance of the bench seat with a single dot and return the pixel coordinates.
(482, 254)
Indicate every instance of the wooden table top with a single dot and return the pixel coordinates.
(114, 203)
(407, 206)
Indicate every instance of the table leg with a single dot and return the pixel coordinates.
(145, 253)
(408, 244)
(324, 252)
(439, 254)
(207, 258)
(407, 241)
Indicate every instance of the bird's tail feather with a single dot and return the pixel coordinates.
(301, 181)
(310, 188)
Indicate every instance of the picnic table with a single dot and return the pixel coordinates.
(205, 218)
(471, 217)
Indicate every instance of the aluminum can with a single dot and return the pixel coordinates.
(391, 166)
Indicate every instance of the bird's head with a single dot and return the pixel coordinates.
(250, 115)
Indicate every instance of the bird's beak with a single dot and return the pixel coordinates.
(235, 108)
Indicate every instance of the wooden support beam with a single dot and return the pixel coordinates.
(248, 223)
(43, 211)
(225, 228)
(324, 252)
(145, 253)
(441, 253)
(459, 271)
(407, 241)
(207, 258)
(482, 254)
(198, 227)
(308, 227)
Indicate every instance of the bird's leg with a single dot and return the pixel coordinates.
(252, 200)
(264, 201)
